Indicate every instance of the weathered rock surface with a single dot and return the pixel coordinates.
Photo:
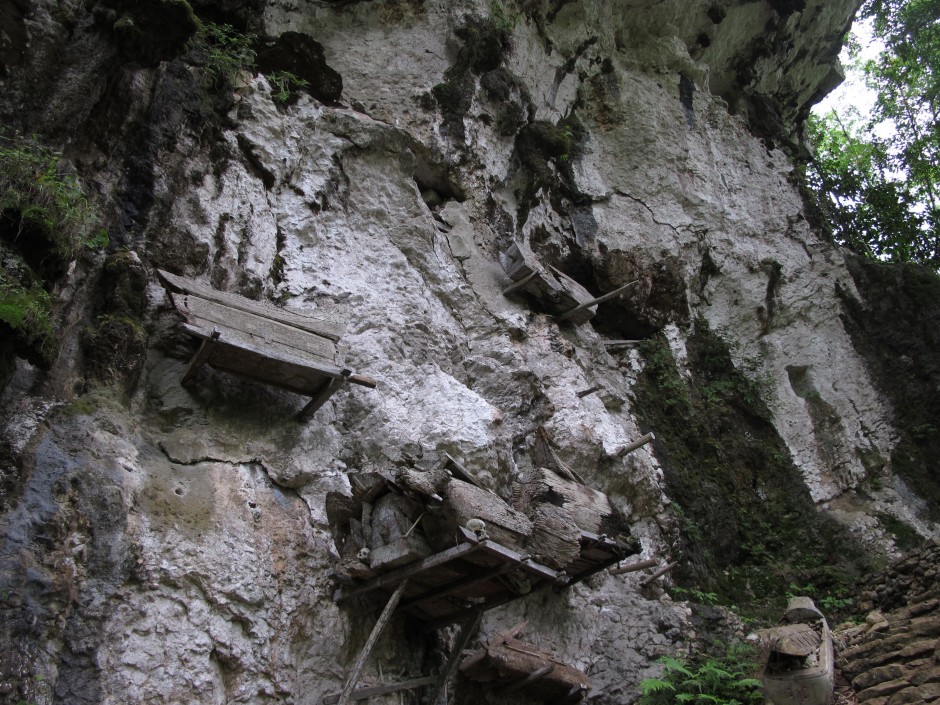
(171, 545)
(894, 658)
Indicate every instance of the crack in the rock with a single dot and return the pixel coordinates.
(651, 211)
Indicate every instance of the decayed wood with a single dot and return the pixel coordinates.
(546, 456)
(589, 509)
(329, 329)
(658, 574)
(634, 567)
(383, 620)
(531, 678)
(467, 631)
(264, 331)
(554, 288)
(367, 486)
(586, 392)
(638, 443)
(555, 537)
(460, 472)
(621, 343)
(594, 302)
(515, 286)
(506, 526)
(513, 661)
(384, 689)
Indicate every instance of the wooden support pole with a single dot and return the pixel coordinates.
(325, 392)
(599, 300)
(515, 286)
(199, 359)
(595, 388)
(384, 689)
(658, 574)
(528, 680)
(633, 567)
(620, 343)
(638, 443)
(377, 630)
(463, 638)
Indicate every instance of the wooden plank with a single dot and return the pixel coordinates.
(265, 330)
(384, 689)
(460, 585)
(599, 300)
(377, 630)
(329, 329)
(461, 473)
(621, 343)
(467, 631)
(407, 571)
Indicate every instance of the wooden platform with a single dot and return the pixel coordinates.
(261, 342)
(478, 575)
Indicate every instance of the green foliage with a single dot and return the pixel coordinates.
(725, 679)
(228, 51)
(879, 176)
(505, 20)
(39, 198)
(27, 311)
(703, 598)
(284, 84)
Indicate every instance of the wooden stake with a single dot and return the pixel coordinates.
(466, 633)
(658, 574)
(377, 630)
(638, 443)
(519, 284)
(384, 689)
(599, 300)
(620, 343)
(199, 359)
(633, 567)
(595, 388)
(320, 398)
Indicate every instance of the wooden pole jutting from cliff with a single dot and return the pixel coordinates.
(621, 343)
(634, 567)
(377, 630)
(466, 632)
(519, 284)
(373, 691)
(199, 359)
(658, 574)
(599, 300)
(638, 443)
(330, 386)
(586, 392)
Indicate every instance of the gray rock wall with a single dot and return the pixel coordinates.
(171, 545)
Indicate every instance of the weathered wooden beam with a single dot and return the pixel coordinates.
(658, 574)
(638, 443)
(392, 577)
(199, 359)
(586, 392)
(384, 689)
(620, 343)
(523, 682)
(466, 633)
(599, 300)
(329, 388)
(328, 329)
(377, 630)
(634, 567)
(462, 584)
(461, 473)
(515, 286)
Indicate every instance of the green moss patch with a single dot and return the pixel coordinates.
(748, 525)
(896, 328)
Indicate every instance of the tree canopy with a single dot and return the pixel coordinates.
(879, 174)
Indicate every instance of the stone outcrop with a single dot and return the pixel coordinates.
(894, 658)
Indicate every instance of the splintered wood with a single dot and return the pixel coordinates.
(261, 342)
(559, 292)
(506, 664)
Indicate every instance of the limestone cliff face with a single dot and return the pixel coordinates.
(170, 545)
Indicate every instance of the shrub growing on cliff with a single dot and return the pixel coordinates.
(725, 679)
